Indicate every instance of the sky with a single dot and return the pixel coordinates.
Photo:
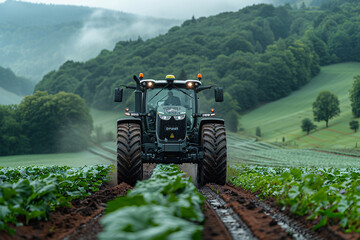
(176, 9)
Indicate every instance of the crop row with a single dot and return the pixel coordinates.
(166, 206)
(292, 157)
(329, 195)
(35, 191)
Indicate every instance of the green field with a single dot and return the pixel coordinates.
(282, 118)
(60, 159)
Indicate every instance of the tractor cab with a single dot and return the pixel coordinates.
(170, 100)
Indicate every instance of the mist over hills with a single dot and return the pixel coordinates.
(38, 38)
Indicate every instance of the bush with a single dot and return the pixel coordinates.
(258, 132)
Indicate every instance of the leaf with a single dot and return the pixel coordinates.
(293, 192)
(344, 222)
(122, 202)
(4, 211)
(322, 223)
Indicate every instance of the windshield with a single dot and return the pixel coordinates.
(175, 97)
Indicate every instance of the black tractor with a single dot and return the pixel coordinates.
(166, 127)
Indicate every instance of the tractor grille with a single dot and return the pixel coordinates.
(172, 130)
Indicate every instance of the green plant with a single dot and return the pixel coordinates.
(165, 206)
(35, 191)
(328, 195)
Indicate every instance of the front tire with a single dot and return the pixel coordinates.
(213, 167)
(129, 165)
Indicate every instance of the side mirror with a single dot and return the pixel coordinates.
(118, 95)
(219, 95)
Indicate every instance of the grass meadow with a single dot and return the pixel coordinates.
(283, 117)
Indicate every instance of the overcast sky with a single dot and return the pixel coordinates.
(180, 9)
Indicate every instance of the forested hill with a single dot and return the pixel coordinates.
(14, 84)
(259, 53)
(37, 38)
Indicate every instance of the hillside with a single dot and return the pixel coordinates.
(15, 84)
(229, 49)
(282, 118)
(37, 38)
(258, 54)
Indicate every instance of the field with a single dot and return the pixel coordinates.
(264, 154)
(282, 118)
(60, 159)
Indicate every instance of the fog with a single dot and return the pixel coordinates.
(181, 9)
(99, 33)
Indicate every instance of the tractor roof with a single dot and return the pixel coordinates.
(179, 83)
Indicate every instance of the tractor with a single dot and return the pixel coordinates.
(166, 127)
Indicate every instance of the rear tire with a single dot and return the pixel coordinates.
(129, 165)
(213, 167)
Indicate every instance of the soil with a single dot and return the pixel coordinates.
(214, 229)
(252, 211)
(81, 221)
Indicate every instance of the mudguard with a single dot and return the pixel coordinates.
(208, 120)
(130, 120)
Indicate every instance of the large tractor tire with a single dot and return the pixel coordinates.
(212, 169)
(129, 165)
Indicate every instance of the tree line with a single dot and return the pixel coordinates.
(45, 123)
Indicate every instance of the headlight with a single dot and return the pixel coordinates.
(180, 117)
(164, 117)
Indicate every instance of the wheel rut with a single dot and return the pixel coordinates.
(236, 227)
(246, 217)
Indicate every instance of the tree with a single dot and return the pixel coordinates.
(55, 123)
(355, 96)
(12, 139)
(307, 125)
(326, 107)
(354, 125)
(232, 121)
(258, 131)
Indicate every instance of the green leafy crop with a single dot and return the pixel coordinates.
(329, 195)
(34, 191)
(166, 206)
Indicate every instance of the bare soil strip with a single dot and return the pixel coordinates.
(214, 229)
(237, 228)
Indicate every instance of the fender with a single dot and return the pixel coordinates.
(130, 120)
(208, 120)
